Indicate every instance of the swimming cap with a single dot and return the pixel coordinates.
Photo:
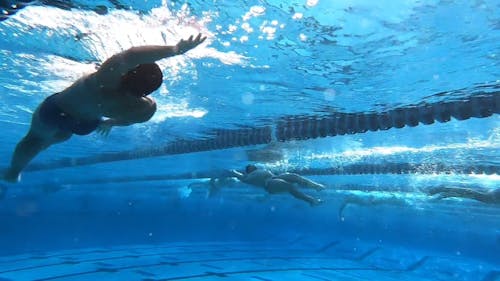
(143, 79)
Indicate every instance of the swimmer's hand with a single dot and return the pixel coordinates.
(104, 127)
(236, 174)
(186, 45)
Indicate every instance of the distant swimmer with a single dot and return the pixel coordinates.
(370, 200)
(118, 90)
(214, 185)
(286, 182)
(484, 196)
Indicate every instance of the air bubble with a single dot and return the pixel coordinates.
(312, 3)
(329, 94)
(246, 26)
(257, 10)
(247, 98)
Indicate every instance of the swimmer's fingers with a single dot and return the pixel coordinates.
(234, 173)
(186, 45)
(101, 132)
(103, 129)
(199, 39)
(106, 131)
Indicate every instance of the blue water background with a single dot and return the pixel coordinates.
(300, 59)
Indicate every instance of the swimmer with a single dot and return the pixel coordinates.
(272, 152)
(484, 196)
(370, 200)
(286, 182)
(118, 90)
(214, 185)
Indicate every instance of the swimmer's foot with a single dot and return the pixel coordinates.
(316, 202)
(318, 186)
(12, 176)
(431, 191)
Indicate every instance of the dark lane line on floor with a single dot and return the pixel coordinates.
(117, 269)
(40, 255)
(229, 273)
(165, 256)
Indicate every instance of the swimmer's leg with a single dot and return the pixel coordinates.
(434, 190)
(294, 178)
(29, 147)
(309, 199)
(342, 208)
(25, 151)
(353, 200)
(278, 185)
(494, 195)
(469, 194)
(213, 189)
(458, 192)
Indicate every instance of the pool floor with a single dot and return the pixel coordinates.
(265, 261)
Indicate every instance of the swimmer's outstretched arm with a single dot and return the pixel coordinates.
(115, 67)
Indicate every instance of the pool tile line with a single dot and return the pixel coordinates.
(131, 256)
(261, 278)
(45, 255)
(140, 266)
(145, 273)
(316, 277)
(418, 264)
(273, 270)
(211, 266)
(328, 246)
(367, 254)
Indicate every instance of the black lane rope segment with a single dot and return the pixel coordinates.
(303, 128)
(310, 127)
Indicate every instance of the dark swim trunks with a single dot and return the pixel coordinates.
(52, 114)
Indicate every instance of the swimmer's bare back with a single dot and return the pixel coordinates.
(97, 94)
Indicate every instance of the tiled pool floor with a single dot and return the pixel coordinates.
(335, 260)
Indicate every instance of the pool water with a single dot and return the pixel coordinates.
(385, 103)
